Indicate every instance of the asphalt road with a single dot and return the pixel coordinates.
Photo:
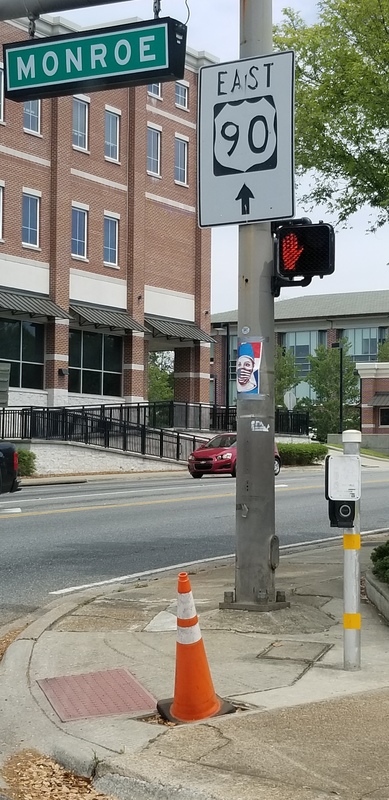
(62, 536)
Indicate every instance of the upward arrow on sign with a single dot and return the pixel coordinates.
(245, 195)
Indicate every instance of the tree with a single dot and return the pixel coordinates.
(161, 376)
(324, 378)
(383, 351)
(286, 374)
(342, 108)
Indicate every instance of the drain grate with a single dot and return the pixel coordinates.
(97, 694)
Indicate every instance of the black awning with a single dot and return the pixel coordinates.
(380, 399)
(39, 307)
(170, 329)
(105, 318)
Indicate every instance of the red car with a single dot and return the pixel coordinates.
(218, 457)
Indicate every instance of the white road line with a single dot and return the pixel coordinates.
(94, 495)
(12, 510)
(150, 572)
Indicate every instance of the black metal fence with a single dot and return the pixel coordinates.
(146, 428)
(80, 425)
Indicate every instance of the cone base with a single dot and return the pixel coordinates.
(164, 706)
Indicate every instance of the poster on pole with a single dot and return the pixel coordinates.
(248, 367)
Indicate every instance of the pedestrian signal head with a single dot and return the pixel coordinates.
(305, 250)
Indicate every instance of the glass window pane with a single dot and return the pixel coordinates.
(79, 232)
(155, 89)
(30, 219)
(153, 150)
(181, 95)
(113, 353)
(32, 342)
(91, 382)
(112, 384)
(384, 416)
(92, 351)
(14, 378)
(74, 380)
(31, 115)
(80, 123)
(32, 376)
(358, 342)
(75, 348)
(112, 135)
(180, 160)
(110, 240)
(9, 340)
(1, 94)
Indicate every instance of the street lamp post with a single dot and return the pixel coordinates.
(339, 346)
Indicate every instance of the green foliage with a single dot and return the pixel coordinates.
(286, 375)
(383, 351)
(342, 109)
(161, 377)
(324, 378)
(301, 454)
(27, 461)
(380, 559)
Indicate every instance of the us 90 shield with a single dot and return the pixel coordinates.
(245, 136)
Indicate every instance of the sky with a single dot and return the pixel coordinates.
(361, 258)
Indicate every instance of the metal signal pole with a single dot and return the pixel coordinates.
(256, 543)
(13, 9)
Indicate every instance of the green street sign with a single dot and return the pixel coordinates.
(124, 55)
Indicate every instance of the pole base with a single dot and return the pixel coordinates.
(258, 607)
(164, 706)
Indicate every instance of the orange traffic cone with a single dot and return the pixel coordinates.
(194, 694)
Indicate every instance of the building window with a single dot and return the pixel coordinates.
(30, 219)
(153, 151)
(80, 123)
(111, 225)
(155, 90)
(1, 210)
(79, 232)
(182, 94)
(112, 135)
(303, 344)
(32, 116)
(22, 345)
(364, 342)
(384, 417)
(95, 363)
(181, 161)
(1, 93)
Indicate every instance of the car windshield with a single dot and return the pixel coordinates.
(224, 440)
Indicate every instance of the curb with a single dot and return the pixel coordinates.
(378, 594)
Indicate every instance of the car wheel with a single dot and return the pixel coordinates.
(233, 473)
(197, 474)
(277, 466)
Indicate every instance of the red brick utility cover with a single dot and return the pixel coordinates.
(97, 694)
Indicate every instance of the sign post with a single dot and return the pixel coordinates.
(108, 58)
(247, 173)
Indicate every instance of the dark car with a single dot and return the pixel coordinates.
(9, 481)
(218, 457)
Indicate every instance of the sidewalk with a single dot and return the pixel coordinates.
(306, 729)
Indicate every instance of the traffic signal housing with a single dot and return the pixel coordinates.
(303, 251)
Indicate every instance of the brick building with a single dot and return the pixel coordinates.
(303, 323)
(101, 257)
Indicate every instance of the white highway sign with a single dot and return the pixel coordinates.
(245, 140)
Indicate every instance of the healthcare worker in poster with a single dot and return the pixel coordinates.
(247, 368)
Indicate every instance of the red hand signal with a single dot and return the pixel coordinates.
(291, 251)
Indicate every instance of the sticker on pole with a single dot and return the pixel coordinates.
(247, 368)
(246, 171)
